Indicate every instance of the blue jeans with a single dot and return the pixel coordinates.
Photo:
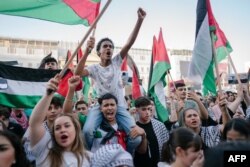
(123, 118)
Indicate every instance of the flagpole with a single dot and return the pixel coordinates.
(232, 64)
(168, 72)
(215, 62)
(171, 79)
(84, 38)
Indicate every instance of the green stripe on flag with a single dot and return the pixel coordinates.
(60, 11)
(209, 81)
(20, 101)
(158, 69)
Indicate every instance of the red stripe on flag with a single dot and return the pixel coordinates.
(63, 85)
(136, 92)
(71, 65)
(162, 54)
(221, 38)
(86, 9)
(124, 66)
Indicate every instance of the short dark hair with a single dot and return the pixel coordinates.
(98, 46)
(56, 101)
(50, 59)
(107, 96)
(81, 102)
(142, 102)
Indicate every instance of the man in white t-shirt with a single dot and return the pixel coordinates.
(107, 79)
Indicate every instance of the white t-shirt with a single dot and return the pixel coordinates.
(163, 164)
(108, 79)
(41, 151)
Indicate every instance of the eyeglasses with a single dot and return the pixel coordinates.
(106, 45)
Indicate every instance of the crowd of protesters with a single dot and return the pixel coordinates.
(115, 132)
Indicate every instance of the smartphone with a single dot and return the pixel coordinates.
(189, 89)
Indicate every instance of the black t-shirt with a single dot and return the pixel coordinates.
(151, 157)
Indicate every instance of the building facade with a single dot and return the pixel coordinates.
(30, 52)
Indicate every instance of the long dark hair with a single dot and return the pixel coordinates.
(20, 156)
(183, 138)
(239, 125)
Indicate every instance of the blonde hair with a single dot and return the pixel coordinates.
(78, 149)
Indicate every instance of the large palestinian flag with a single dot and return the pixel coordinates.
(208, 35)
(23, 87)
(60, 11)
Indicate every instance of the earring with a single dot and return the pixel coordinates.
(14, 162)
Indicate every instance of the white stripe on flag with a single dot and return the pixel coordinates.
(25, 88)
(202, 54)
(159, 91)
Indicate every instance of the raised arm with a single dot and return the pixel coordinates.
(80, 66)
(203, 110)
(38, 115)
(235, 104)
(224, 112)
(246, 95)
(68, 102)
(141, 15)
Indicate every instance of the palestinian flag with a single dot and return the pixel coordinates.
(160, 64)
(208, 35)
(136, 89)
(23, 87)
(59, 11)
(128, 65)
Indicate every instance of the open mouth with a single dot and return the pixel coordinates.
(108, 53)
(64, 137)
(110, 113)
(194, 122)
